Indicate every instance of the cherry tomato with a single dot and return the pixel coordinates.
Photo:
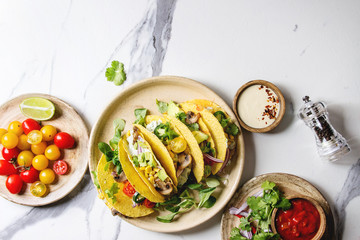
(2, 132)
(9, 140)
(40, 162)
(178, 145)
(15, 127)
(7, 168)
(38, 148)
(48, 132)
(147, 203)
(25, 158)
(64, 140)
(128, 189)
(60, 167)
(9, 154)
(52, 152)
(34, 137)
(30, 124)
(47, 176)
(14, 183)
(23, 144)
(30, 176)
(38, 189)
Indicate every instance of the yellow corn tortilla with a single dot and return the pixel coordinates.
(123, 203)
(135, 177)
(209, 105)
(215, 128)
(160, 151)
(198, 164)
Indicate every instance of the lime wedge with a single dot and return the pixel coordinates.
(37, 108)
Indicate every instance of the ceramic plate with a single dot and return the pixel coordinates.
(144, 94)
(290, 185)
(65, 119)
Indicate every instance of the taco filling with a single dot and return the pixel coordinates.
(147, 164)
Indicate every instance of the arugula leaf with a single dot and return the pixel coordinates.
(167, 218)
(162, 106)
(116, 73)
(119, 125)
(204, 195)
(114, 189)
(245, 224)
(140, 115)
(96, 181)
(212, 182)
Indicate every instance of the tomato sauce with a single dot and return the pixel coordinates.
(300, 222)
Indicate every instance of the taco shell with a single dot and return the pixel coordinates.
(123, 203)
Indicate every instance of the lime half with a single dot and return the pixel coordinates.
(37, 108)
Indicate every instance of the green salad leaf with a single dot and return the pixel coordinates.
(119, 125)
(235, 234)
(114, 189)
(162, 106)
(116, 73)
(96, 181)
(165, 133)
(140, 114)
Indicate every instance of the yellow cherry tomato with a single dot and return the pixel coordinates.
(2, 132)
(9, 140)
(34, 137)
(52, 152)
(40, 162)
(47, 176)
(38, 148)
(25, 158)
(15, 127)
(178, 145)
(23, 144)
(38, 189)
(48, 132)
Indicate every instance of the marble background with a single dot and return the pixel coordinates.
(63, 47)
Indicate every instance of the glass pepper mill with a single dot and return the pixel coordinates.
(330, 144)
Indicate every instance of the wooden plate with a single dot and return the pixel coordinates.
(65, 119)
(289, 184)
(144, 94)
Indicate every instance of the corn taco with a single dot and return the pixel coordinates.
(146, 164)
(220, 125)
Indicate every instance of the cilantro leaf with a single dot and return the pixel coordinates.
(96, 181)
(232, 129)
(205, 147)
(165, 133)
(284, 204)
(235, 234)
(162, 106)
(140, 115)
(116, 73)
(114, 189)
(266, 236)
(268, 185)
(245, 224)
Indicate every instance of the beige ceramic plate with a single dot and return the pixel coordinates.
(143, 94)
(65, 119)
(289, 184)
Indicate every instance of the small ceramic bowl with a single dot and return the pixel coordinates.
(276, 91)
(322, 227)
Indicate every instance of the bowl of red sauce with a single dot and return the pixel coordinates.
(305, 220)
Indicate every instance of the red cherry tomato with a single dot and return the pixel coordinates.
(128, 189)
(7, 168)
(60, 167)
(30, 124)
(64, 140)
(148, 204)
(30, 176)
(9, 154)
(14, 183)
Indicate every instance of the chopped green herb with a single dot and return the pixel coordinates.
(116, 73)
(232, 129)
(165, 133)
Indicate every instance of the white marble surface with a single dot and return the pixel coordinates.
(305, 47)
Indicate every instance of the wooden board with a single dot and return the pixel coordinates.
(290, 185)
(65, 119)
(144, 94)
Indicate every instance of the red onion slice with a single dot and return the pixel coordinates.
(211, 158)
(227, 158)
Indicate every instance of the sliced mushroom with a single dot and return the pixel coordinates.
(184, 161)
(115, 212)
(191, 117)
(165, 188)
(119, 177)
(135, 134)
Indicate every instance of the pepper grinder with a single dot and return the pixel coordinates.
(330, 144)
